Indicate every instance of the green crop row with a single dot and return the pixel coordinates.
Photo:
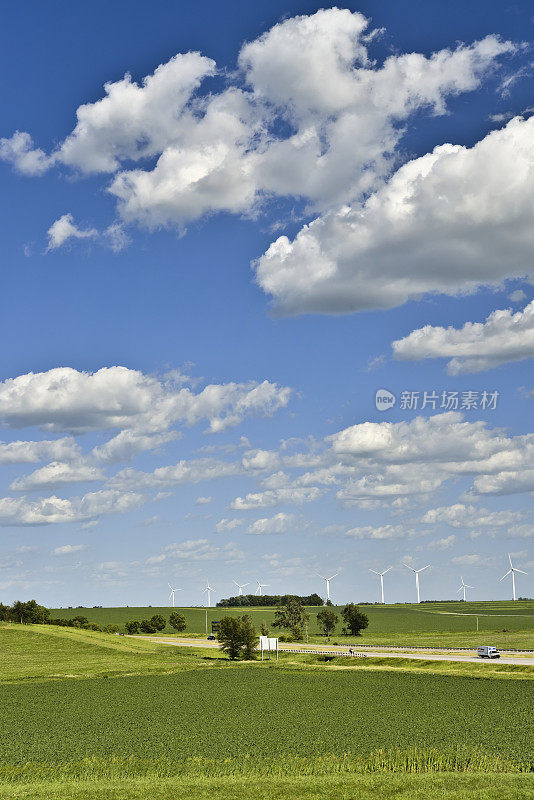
(264, 713)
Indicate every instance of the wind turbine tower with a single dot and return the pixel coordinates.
(416, 572)
(209, 589)
(331, 578)
(464, 586)
(240, 586)
(381, 581)
(171, 596)
(512, 572)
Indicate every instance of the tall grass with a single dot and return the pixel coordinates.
(412, 761)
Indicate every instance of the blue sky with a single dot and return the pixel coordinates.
(204, 278)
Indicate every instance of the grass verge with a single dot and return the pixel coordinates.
(474, 786)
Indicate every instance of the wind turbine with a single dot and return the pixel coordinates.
(381, 580)
(331, 578)
(417, 571)
(260, 587)
(209, 589)
(512, 571)
(464, 586)
(171, 596)
(240, 586)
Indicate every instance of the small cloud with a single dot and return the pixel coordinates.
(66, 549)
(472, 559)
(115, 237)
(146, 523)
(228, 525)
(64, 229)
(375, 363)
(442, 544)
(156, 559)
(203, 501)
(517, 296)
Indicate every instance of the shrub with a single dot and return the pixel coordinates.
(132, 626)
(238, 637)
(177, 621)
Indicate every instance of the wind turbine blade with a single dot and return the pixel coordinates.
(467, 586)
(331, 578)
(510, 559)
(387, 570)
(374, 570)
(506, 574)
(422, 568)
(407, 565)
(522, 571)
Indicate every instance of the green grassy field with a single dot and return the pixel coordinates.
(263, 716)
(172, 720)
(46, 652)
(477, 786)
(510, 625)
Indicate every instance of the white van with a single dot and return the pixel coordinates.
(487, 651)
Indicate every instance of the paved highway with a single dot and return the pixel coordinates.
(343, 651)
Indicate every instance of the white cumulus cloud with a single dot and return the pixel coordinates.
(504, 337)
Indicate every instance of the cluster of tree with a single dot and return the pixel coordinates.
(293, 617)
(31, 613)
(237, 637)
(28, 613)
(156, 623)
(355, 621)
(268, 600)
(80, 621)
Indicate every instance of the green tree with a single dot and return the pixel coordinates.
(264, 630)
(80, 622)
(237, 637)
(147, 626)
(177, 621)
(354, 619)
(29, 613)
(132, 626)
(158, 622)
(292, 616)
(110, 628)
(327, 620)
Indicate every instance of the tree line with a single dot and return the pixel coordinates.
(268, 600)
(235, 634)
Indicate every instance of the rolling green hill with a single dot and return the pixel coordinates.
(508, 624)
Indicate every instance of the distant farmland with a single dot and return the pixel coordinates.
(433, 624)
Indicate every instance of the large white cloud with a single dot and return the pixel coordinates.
(461, 515)
(447, 222)
(58, 474)
(53, 510)
(477, 346)
(121, 398)
(308, 115)
(21, 452)
(291, 495)
(280, 523)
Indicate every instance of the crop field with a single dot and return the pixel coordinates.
(262, 715)
(448, 624)
(138, 720)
